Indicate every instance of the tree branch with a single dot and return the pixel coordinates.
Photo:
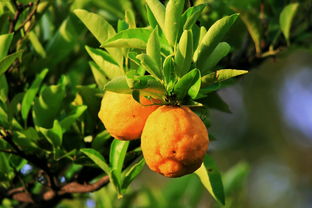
(21, 195)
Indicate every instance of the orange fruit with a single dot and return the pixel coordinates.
(122, 116)
(174, 141)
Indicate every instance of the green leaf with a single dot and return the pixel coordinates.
(36, 44)
(100, 140)
(119, 85)
(221, 75)
(72, 116)
(149, 65)
(130, 18)
(132, 173)
(98, 74)
(93, 52)
(170, 77)
(130, 38)
(286, 18)
(150, 17)
(6, 61)
(173, 14)
(48, 105)
(5, 42)
(100, 29)
(191, 15)
(183, 57)
(153, 48)
(188, 84)
(54, 135)
(158, 11)
(31, 93)
(107, 64)
(122, 25)
(96, 24)
(97, 158)
(211, 39)
(118, 150)
(4, 88)
(217, 54)
(211, 179)
(234, 178)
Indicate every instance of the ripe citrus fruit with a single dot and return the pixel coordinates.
(122, 116)
(174, 141)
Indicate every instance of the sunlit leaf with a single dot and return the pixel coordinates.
(183, 57)
(211, 179)
(211, 39)
(97, 158)
(130, 38)
(221, 75)
(173, 14)
(286, 18)
(158, 10)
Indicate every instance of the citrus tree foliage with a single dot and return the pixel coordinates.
(58, 57)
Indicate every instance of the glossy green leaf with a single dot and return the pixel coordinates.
(72, 116)
(150, 17)
(54, 135)
(36, 44)
(211, 39)
(107, 64)
(158, 11)
(149, 65)
(96, 24)
(173, 14)
(97, 158)
(188, 84)
(217, 54)
(48, 105)
(94, 52)
(98, 74)
(170, 77)
(153, 48)
(221, 75)
(118, 84)
(183, 57)
(130, 38)
(5, 42)
(122, 25)
(31, 93)
(191, 15)
(130, 18)
(100, 29)
(117, 153)
(286, 18)
(6, 61)
(211, 179)
(132, 173)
